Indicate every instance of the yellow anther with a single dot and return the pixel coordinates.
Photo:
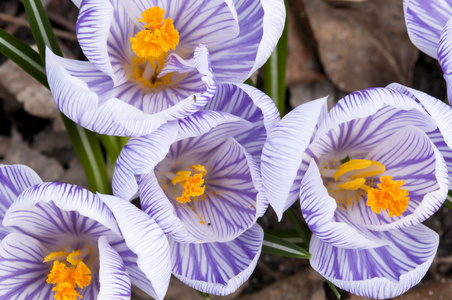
(157, 37)
(181, 176)
(192, 184)
(56, 256)
(68, 277)
(360, 168)
(352, 185)
(200, 169)
(75, 257)
(389, 196)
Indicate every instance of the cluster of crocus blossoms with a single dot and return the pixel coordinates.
(208, 154)
(367, 174)
(170, 75)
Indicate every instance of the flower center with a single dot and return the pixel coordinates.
(157, 37)
(151, 46)
(192, 184)
(389, 196)
(68, 273)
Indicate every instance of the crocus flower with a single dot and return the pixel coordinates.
(429, 25)
(367, 174)
(62, 242)
(149, 61)
(199, 179)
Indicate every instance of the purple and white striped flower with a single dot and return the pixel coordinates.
(61, 241)
(155, 61)
(367, 174)
(199, 179)
(429, 25)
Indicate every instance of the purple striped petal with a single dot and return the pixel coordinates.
(113, 277)
(145, 238)
(328, 222)
(48, 210)
(445, 47)
(283, 151)
(252, 105)
(109, 116)
(13, 181)
(233, 59)
(119, 47)
(22, 271)
(217, 268)
(408, 155)
(274, 22)
(380, 273)
(367, 103)
(425, 21)
(93, 26)
(139, 156)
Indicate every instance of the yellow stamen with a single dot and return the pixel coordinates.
(67, 277)
(360, 168)
(157, 37)
(352, 185)
(389, 196)
(192, 184)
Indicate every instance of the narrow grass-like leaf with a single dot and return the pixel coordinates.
(299, 227)
(275, 73)
(204, 295)
(112, 145)
(448, 202)
(290, 235)
(277, 246)
(23, 55)
(334, 289)
(41, 28)
(85, 142)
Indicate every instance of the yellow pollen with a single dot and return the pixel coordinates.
(157, 37)
(67, 277)
(389, 196)
(192, 184)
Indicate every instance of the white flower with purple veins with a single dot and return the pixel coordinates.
(155, 61)
(367, 174)
(429, 25)
(60, 241)
(199, 179)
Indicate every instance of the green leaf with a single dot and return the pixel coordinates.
(85, 142)
(23, 55)
(448, 202)
(112, 145)
(275, 73)
(290, 235)
(334, 289)
(277, 246)
(41, 28)
(299, 227)
(204, 295)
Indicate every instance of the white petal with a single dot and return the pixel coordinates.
(425, 20)
(113, 277)
(145, 238)
(22, 271)
(380, 273)
(283, 150)
(218, 268)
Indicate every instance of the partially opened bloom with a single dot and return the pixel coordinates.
(429, 25)
(367, 174)
(62, 242)
(199, 178)
(155, 61)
